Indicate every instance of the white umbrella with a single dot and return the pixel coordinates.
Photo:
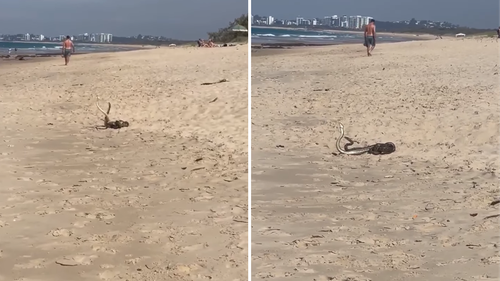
(239, 28)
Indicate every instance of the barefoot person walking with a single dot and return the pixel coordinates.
(370, 37)
(67, 48)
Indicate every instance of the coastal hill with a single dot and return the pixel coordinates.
(226, 35)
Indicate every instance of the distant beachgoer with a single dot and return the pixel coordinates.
(15, 50)
(10, 51)
(200, 44)
(203, 44)
(67, 48)
(370, 37)
(498, 33)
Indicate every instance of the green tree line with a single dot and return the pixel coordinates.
(226, 35)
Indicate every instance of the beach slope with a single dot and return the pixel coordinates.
(164, 199)
(421, 213)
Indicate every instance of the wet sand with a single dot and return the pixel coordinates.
(421, 213)
(164, 199)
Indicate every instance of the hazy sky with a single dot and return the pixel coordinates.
(472, 13)
(180, 19)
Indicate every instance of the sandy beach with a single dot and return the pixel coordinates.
(164, 199)
(421, 213)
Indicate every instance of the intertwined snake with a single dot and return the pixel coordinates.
(375, 149)
(110, 124)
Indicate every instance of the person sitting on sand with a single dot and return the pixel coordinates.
(67, 48)
(202, 43)
(370, 37)
(210, 43)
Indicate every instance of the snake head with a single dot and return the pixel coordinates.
(341, 126)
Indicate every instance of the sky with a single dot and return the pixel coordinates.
(181, 19)
(471, 13)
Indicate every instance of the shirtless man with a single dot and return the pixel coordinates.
(370, 37)
(67, 48)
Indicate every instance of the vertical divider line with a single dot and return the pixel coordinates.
(249, 16)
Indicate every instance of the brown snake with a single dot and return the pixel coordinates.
(375, 149)
(110, 124)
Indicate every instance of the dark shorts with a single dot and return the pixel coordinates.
(67, 53)
(370, 41)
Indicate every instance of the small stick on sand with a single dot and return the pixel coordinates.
(495, 202)
(211, 83)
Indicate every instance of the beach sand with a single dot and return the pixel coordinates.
(165, 199)
(421, 213)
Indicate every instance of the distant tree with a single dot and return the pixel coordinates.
(226, 35)
(413, 21)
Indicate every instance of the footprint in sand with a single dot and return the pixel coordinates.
(343, 277)
(81, 224)
(97, 215)
(195, 247)
(36, 263)
(205, 197)
(109, 275)
(61, 233)
(101, 249)
(76, 260)
(274, 232)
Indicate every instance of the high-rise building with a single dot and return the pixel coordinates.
(352, 22)
(98, 37)
(269, 20)
(335, 21)
(326, 21)
(359, 22)
(344, 22)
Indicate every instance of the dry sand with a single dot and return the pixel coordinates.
(165, 199)
(418, 214)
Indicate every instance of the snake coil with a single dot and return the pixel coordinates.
(118, 124)
(375, 149)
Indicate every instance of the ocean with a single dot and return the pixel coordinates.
(262, 35)
(50, 47)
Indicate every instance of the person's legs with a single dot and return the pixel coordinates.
(369, 45)
(67, 54)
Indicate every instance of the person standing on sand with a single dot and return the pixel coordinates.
(370, 37)
(67, 48)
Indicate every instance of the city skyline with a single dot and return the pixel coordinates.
(344, 21)
(173, 19)
(97, 37)
(483, 14)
